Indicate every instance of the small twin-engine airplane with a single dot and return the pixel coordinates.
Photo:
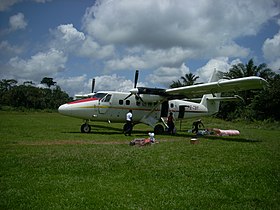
(152, 105)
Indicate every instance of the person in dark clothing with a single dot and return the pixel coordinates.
(170, 123)
(196, 125)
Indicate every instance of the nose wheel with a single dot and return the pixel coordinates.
(159, 129)
(85, 128)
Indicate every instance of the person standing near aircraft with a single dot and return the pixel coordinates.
(128, 127)
(170, 123)
(196, 125)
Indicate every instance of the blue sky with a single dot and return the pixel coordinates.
(73, 41)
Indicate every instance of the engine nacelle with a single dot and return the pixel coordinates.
(150, 98)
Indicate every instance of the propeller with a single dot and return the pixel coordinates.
(136, 78)
(134, 91)
(92, 85)
(143, 90)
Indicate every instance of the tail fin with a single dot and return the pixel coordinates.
(212, 105)
(216, 76)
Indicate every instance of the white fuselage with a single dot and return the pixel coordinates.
(112, 107)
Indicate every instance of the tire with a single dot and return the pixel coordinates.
(85, 128)
(159, 129)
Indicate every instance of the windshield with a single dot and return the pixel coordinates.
(99, 95)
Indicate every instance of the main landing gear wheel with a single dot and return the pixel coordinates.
(159, 129)
(85, 128)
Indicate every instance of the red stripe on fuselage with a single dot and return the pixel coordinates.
(83, 100)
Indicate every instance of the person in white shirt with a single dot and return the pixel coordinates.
(129, 125)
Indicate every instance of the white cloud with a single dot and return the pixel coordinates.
(70, 34)
(66, 38)
(42, 1)
(271, 51)
(38, 66)
(17, 22)
(74, 85)
(166, 75)
(5, 4)
(174, 56)
(70, 40)
(82, 85)
(114, 82)
(232, 49)
(92, 49)
(7, 48)
(275, 64)
(202, 27)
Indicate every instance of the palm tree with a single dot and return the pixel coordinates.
(189, 79)
(250, 69)
(176, 84)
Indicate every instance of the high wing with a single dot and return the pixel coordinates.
(246, 83)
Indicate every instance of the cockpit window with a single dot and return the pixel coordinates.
(107, 98)
(99, 95)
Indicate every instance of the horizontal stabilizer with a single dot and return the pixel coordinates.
(233, 98)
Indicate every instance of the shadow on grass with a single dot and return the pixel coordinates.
(223, 138)
(233, 138)
(108, 130)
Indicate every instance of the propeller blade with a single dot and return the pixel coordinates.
(128, 96)
(92, 85)
(137, 96)
(136, 78)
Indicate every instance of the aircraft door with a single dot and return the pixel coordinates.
(164, 109)
(104, 104)
(181, 112)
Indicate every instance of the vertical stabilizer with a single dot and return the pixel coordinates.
(216, 76)
(212, 105)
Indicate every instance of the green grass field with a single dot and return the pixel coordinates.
(46, 163)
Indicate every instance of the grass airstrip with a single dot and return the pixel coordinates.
(46, 163)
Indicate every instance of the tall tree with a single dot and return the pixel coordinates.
(250, 69)
(189, 79)
(232, 110)
(266, 104)
(7, 84)
(48, 81)
(176, 84)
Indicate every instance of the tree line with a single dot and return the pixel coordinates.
(27, 96)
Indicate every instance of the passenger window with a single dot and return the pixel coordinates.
(138, 103)
(127, 102)
(172, 105)
(120, 102)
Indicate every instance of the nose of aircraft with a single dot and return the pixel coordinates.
(64, 109)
